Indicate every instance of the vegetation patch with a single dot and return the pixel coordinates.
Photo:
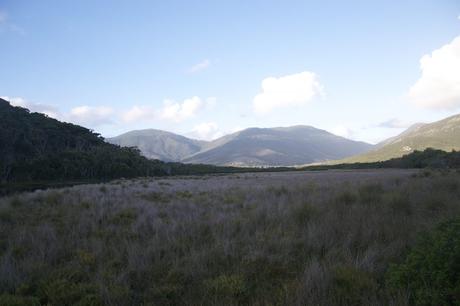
(430, 271)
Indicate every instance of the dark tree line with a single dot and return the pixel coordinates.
(36, 147)
(429, 158)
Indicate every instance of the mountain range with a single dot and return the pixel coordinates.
(282, 146)
(290, 146)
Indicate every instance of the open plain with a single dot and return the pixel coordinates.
(287, 238)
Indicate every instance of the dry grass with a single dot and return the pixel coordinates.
(302, 238)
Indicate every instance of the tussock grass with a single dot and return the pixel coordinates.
(325, 238)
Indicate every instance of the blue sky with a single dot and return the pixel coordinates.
(198, 67)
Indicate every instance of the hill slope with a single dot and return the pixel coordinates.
(156, 144)
(36, 147)
(277, 147)
(442, 135)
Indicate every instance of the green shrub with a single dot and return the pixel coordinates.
(14, 300)
(230, 286)
(16, 202)
(184, 194)
(431, 270)
(351, 286)
(86, 258)
(157, 197)
(6, 215)
(400, 203)
(304, 213)
(52, 198)
(346, 197)
(69, 292)
(278, 191)
(125, 217)
(370, 193)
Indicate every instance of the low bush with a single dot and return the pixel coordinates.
(431, 270)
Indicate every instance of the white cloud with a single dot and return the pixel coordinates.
(204, 64)
(46, 109)
(343, 131)
(287, 91)
(170, 111)
(439, 85)
(139, 113)
(177, 112)
(206, 131)
(91, 115)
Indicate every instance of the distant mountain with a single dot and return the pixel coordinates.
(156, 144)
(442, 135)
(286, 146)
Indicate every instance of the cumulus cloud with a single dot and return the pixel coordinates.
(91, 115)
(46, 109)
(343, 131)
(204, 64)
(170, 111)
(287, 91)
(177, 112)
(206, 131)
(139, 113)
(439, 85)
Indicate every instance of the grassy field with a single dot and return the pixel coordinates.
(288, 238)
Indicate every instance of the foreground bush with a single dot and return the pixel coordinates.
(431, 271)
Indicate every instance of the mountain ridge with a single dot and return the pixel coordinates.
(442, 135)
(278, 146)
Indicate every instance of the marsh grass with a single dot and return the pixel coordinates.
(275, 239)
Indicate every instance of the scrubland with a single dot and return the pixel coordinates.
(289, 238)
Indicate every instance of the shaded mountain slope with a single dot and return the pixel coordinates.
(157, 144)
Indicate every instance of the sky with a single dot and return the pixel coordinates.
(365, 70)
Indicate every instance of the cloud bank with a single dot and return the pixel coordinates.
(170, 111)
(439, 85)
(206, 131)
(91, 116)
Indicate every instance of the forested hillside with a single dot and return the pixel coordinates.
(36, 147)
